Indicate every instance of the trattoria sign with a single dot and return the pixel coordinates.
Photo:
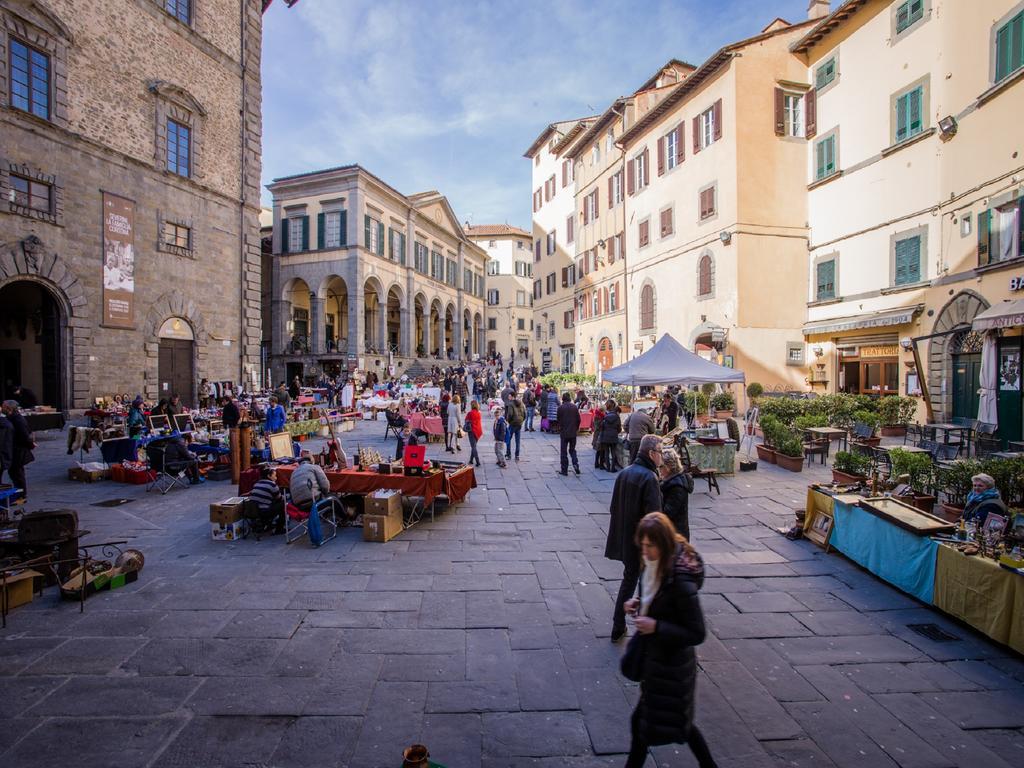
(879, 350)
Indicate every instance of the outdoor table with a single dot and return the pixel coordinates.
(907, 448)
(1008, 454)
(1016, 445)
(979, 592)
(946, 429)
(37, 422)
(832, 433)
(432, 425)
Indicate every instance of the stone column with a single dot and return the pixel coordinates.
(459, 320)
(356, 308)
(407, 319)
(382, 324)
(316, 324)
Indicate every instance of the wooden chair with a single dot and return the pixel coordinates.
(711, 475)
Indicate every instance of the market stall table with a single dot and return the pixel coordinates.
(432, 425)
(37, 422)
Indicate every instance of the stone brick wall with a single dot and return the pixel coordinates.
(116, 49)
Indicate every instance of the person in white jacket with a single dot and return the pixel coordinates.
(455, 418)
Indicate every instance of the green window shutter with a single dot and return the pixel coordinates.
(908, 261)
(826, 280)
(343, 224)
(819, 160)
(367, 223)
(305, 233)
(320, 231)
(380, 239)
(1010, 47)
(916, 98)
(984, 238)
(284, 235)
(391, 243)
(901, 117)
(401, 251)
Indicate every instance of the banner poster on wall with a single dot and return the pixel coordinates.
(118, 261)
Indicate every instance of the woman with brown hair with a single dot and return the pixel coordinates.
(669, 623)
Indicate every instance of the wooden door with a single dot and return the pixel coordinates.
(175, 371)
(1009, 403)
(604, 354)
(966, 377)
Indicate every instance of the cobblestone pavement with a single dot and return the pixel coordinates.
(483, 635)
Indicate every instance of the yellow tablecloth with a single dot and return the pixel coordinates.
(977, 591)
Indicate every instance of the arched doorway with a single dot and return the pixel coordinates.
(950, 364)
(394, 320)
(372, 301)
(335, 297)
(32, 332)
(176, 360)
(604, 354)
(436, 347)
(449, 332)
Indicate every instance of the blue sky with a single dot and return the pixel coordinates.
(447, 95)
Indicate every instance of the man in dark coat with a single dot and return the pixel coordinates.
(568, 429)
(636, 493)
(6, 444)
(670, 412)
(21, 445)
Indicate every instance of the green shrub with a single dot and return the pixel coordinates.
(724, 401)
(754, 390)
(708, 389)
(851, 463)
(866, 417)
(917, 466)
(1008, 476)
(837, 408)
(954, 480)
(896, 411)
(770, 426)
(810, 421)
(789, 443)
(786, 409)
(561, 380)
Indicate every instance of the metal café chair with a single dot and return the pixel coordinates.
(914, 434)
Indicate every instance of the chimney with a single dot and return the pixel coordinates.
(818, 9)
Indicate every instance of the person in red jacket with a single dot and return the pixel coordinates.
(474, 430)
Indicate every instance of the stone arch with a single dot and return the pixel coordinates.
(39, 14)
(29, 260)
(958, 312)
(326, 284)
(173, 303)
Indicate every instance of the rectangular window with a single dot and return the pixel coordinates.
(825, 73)
(519, 245)
(177, 235)
(467, 280)
(792, 110)
(537, 289)
(644, 233)
(493, 267)
(27, 193)
(617, 188)
(613, 298)
(300, 320)
(706, 125)
(825, 158)
(332, 229)
(536, 250)
(641, 170)
(549, 284)
(907, 13)
(551, 242)
(908, 261)
(179, 9)
(522, 269)
(551, 329)
(666, 222)
(492, 323)
(419, 257)
(520, 324)
(1010, 47)
(909, 117)
(30, 79)
(492, 296)
(296, 234)
(595, 154)
(826, 280)
(567, 321)
(707, 203)
(451, 273)
(179, 148)
(671, 149)
(570, 227)
(591, 203)
(520, 299)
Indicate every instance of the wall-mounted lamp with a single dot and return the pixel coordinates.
(725, 236)
(818, 351)
(948, 127)
(906, 342)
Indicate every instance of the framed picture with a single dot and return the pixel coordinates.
(994, 524)
(159, 422)
(820, 529)
(183, 423)
(913, 383)
(280, 445)
(727, 361)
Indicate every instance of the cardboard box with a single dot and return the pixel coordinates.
(80, 475)
(381, 528)
(229, 531)
(385, 506)
(227, 511)
(20, 588)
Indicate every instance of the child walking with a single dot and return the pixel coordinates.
(500, 428)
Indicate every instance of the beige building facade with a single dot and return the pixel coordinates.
(129, 180)
(367, 278)
(554, 245)
(509, 295)
(915, 189)
(714, 211)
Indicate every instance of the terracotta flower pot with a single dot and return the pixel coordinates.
(950, 512)
(842, 478)
(765, 454)
(894, 431)
(792, 463)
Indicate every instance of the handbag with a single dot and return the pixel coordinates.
(632, 663)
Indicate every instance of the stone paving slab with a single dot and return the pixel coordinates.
(484, 635)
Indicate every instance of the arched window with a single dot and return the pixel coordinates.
(704, 275)
(647, 307)
(613, 298)
(597, 302)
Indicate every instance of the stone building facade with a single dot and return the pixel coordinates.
(129, 196)
(509, 289)
(367, 278)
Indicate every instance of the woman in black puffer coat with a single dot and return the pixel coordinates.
(611, 426)
(669, 622)
(676, 487)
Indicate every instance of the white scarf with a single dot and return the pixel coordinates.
(650, 581)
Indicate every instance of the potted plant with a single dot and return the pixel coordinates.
(849, 467)
(919, 471)
(864, 416)
(754, 390)
(765, 451)
(895, 413)
(789, 451)
(724, 404)
(954, 480)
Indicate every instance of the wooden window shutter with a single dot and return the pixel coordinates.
(647, 166)
(319, 231)
(610, 201)
(984, 238)
(696, 134)
(810, 113)
(597, 204)
(780, 112)
(717, 117)
(661, 156)
(565, 277)
(284, 235)
(586, 217)
(630, 167)
(367, 223)
(565, 173)
(305, 233)
(622, 244)
(680, 147)
(343, 224)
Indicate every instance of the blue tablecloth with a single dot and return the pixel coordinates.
(902, 558)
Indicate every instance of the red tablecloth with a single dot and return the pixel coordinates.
(587, 420)
(432, 425)
(455, 485)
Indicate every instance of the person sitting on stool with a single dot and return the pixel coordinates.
(176, 452)
(267, 496)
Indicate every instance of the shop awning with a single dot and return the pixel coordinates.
(1006, 314)
(888, 317)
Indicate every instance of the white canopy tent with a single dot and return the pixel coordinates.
(668, 362)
